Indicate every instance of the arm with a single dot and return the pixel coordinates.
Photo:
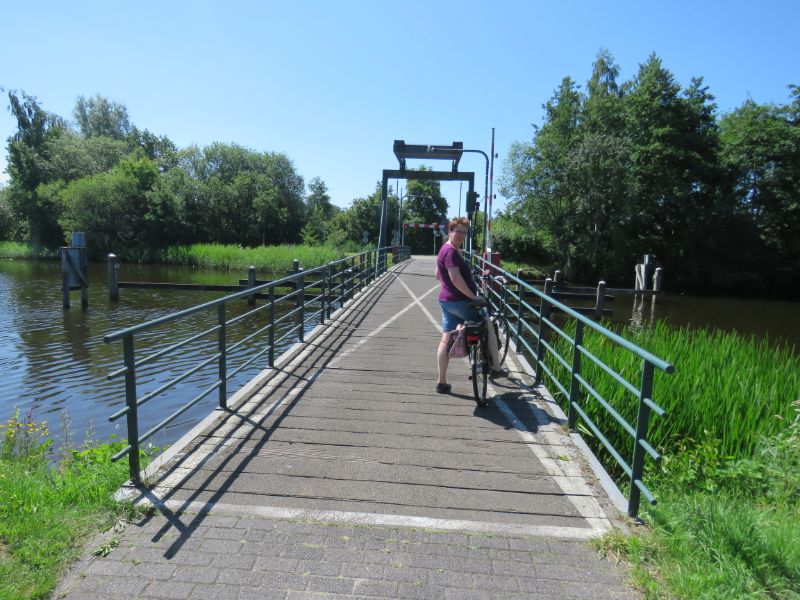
(461, 285)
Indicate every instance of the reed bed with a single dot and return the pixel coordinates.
(729, 388)
(269, 259)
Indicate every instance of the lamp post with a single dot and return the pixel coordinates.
(433, 149)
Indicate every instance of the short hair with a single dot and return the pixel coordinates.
(456, 221)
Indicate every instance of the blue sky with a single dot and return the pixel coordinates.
(333, 83)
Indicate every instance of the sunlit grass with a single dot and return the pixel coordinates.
(269, 259)
(17, 250)
(47, 512)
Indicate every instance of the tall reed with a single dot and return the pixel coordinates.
(270, 259)
(733, 389)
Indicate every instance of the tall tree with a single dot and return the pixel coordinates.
(99, 116)
(27, 153)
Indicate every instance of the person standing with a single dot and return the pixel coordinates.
(457, 297)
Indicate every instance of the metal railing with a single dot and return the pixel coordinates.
(337, 282)
(527, 301)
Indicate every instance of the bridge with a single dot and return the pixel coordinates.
(339, 472)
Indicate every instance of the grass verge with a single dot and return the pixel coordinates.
(269, 259)
(48, 512)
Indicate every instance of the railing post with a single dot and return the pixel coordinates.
(637, 464)
(301, 304)
(113, 271)
(271, 339)
(328, 290)
(352, 278)
(343, 276)
(251, 283)
(360, 272)
(223, 368)
(518, 333)
(130, 401)
(572, 415)
(600, 301)
(544, 312)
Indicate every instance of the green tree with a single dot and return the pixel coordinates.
(99, 116)
(760, 150)
(28, 152)
(319, 213)
(424, 204)
(114, 208)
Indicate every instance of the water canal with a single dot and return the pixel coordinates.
(53, 362)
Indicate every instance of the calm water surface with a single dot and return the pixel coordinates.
(53, 362)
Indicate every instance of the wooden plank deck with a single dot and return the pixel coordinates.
(348, 428)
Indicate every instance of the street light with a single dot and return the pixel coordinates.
(433, 149)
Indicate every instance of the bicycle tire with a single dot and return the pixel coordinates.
(480, 373)
(503, 337)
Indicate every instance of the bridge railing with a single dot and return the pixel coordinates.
(337, 281)
(528, 312)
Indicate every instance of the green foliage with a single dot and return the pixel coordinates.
(47, 512)
(517, 243)
(266, 259)
(645, 167)
(100, 117)
(113, 208)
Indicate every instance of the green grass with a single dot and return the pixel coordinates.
(270, 259)
(17, 250)
(48, 512)
(728, 520)
(723, 528)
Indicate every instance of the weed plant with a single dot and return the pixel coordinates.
(47, 512)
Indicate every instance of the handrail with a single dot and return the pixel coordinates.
(353, 273)
(578, 384)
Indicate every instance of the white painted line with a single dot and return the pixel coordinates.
(417, 301)
(397, 315)
(378, 519)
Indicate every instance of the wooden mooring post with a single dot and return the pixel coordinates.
(74, 269)
(113, 277)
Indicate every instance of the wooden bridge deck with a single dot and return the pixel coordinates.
(299, 490)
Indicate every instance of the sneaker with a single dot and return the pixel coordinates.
(443, 388)
(501, 372)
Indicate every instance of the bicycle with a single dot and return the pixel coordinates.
(497, 315)
(477, 339)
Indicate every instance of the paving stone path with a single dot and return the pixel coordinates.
(342, 474)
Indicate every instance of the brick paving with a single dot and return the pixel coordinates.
(261, 558)
(342, 474)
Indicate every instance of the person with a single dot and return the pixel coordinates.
(458, 291)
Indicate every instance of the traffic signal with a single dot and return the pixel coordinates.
(472, 202)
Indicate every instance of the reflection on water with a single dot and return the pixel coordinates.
(54, 361)
(774, 319)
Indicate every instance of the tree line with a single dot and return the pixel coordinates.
(134, 192)
(621, 169)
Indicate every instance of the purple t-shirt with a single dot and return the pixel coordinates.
(450, 257)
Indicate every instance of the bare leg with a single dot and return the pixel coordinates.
(442, 358)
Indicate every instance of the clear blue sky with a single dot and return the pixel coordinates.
(333, 83)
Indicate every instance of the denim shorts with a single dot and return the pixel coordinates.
(455, 312)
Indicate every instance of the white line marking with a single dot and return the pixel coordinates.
(343, 354)
(378, 519)
(417, 301)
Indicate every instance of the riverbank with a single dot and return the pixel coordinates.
(728, 520)
(47, 512)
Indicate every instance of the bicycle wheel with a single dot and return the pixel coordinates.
(480, 373)
(503, 337)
